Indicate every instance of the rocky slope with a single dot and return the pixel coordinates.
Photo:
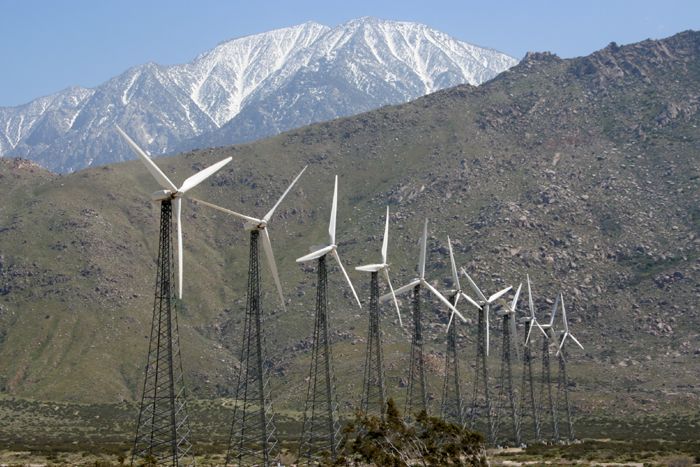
(582, 173)
(244, 89)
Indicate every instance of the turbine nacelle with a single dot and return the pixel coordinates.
(252, 225)
(372, 267)
(163, 195)
(317, 252)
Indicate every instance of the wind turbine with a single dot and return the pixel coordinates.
(565, 333)
(321, 428)
(417, 368)
(258, 227)
(452, 407)
(162, 430)
(252, 436)
(457, 293)
(373, 388)
(531, 320)
(485, 303)
(170, 194)
(510, 340)
(546, 382)
(563, 382)
(528, 383)
(482, 352)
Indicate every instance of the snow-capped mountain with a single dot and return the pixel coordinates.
(244, 89)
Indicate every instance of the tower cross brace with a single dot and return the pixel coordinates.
(481, 381)
(546, 389)
(373, 386)
(162, 428)
(452, 407)
(563, 393)
(252, 439)
(416, 397)
(527, 389)
(507, 389)
(320, 436)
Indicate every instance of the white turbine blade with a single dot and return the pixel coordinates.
(474, 287)
(269, 214)
(442, 298)
(347, 278)
(449, 323)
(227, 211)
(534, 323)
(499, 294)
(423, 246)
(529, 331)
(561, 344)
(385, 241)
(529, 298)
(202, 175)
(393, 295)
(334, 212)
(563, 313)
(456, 297)
(370, 267)
(150, 165)
(554, 312)
(399, 291)
(514, 303)
(576, 340)
(544, 333)
(315, 254)
(470, 300)
(177, 205)
(455, 276)
(267, 246)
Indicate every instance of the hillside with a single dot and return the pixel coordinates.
(583, 173)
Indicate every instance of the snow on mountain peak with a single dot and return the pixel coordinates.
(247, 87)
(221, 79)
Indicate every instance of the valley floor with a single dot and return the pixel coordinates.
(36, 432)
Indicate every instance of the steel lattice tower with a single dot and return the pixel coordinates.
(563, 393)
(546, 389)
(482, 378)
(373, 388)
(452, 408)
(507, 389)
(162, 432)
(320, 435)
(416, 397)
(527, 388)
(252, 440)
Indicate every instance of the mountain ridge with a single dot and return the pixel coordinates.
(588, 182)
(173, 107)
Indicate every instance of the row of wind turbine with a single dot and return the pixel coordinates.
(171, 195)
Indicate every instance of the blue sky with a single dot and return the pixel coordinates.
(48, 45)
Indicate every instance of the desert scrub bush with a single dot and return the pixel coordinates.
(393, 442)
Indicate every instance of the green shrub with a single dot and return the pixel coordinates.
(393, 442)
